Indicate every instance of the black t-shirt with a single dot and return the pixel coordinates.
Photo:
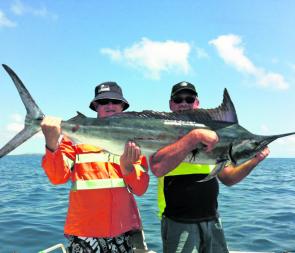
(190, 201)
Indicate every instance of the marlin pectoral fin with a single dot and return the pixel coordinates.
(194, 154)
(196, 151)
(218, 167)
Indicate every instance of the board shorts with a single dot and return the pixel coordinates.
(119, 244)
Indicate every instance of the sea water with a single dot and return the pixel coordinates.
(258, 214)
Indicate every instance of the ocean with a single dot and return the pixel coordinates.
(258, 214)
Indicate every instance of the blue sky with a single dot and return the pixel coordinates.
(62, 49)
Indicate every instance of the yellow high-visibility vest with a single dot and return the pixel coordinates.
(182, 169)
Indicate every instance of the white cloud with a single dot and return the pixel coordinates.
(153, 57)
(114, 54)
(17, 117)
(14, 127)
(16, 124)
(19, 8)
(5, 22)
(231, 50)
(266, 79)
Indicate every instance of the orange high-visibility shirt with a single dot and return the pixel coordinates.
(101, 201)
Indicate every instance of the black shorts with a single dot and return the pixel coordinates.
(119, 244)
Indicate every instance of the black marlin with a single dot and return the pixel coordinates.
(152, 130)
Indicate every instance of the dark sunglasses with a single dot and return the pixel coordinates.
(108, 101)
(188, 100)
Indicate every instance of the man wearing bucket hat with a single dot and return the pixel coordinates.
(102, 211)
(109, 93)
(190, 220)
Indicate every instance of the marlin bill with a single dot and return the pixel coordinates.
(152, 130)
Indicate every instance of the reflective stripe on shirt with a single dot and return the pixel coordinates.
(191, 168)
(98, 184)
(102, 157)
(97, 157)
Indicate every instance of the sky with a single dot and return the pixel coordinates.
(62, 49)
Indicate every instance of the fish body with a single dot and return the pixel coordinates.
(152, 130)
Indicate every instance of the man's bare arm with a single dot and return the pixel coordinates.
(231, 175)
(169, 157)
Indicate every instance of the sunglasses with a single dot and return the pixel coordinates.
(188, 100)
(108, 101)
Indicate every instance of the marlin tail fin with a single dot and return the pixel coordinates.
(33, 117)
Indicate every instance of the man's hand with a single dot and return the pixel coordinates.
(51, 129)
(262, 155)
(208, 137)
(130, 155)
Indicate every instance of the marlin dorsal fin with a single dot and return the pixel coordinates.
(226, 111)
(78, 116)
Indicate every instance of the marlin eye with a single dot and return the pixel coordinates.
(256, 143)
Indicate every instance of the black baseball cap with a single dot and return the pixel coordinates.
(182, 86)
(108, 90)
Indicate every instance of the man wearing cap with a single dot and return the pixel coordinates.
(190, 220)
(102, 210)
